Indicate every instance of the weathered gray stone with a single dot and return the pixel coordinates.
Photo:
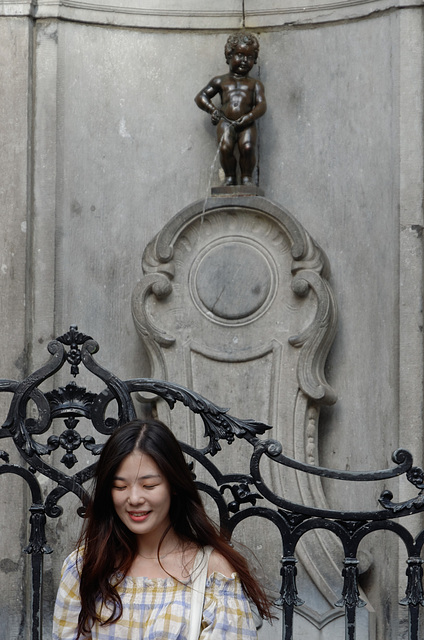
(102, 143)
(15, 38)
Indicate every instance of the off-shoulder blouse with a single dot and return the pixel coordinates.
(157, 609)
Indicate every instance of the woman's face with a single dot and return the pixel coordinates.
(141, 495)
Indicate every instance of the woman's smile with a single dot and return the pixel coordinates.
(138, 516)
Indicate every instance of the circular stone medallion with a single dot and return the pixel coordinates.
(233, 280)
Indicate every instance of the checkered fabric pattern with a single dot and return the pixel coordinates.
(158, 609)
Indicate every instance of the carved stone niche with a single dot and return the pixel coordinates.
(235, 304)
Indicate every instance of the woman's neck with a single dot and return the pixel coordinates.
(150, 546)
(175, 559)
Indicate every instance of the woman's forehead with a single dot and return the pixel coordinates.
(138, 464)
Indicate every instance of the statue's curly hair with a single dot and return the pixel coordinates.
(241, 37)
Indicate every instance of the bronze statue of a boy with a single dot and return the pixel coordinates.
(242, 103)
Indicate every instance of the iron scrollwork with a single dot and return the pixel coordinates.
(241, 494)
(238, 496)
(414, 594)
(289, 596)
(350, 594)
(74, 339)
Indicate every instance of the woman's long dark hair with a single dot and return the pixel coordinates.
(109, 547)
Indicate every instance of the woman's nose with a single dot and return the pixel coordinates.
(135, 496)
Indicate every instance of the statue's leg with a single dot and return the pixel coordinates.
(227, 139)
(247, 148)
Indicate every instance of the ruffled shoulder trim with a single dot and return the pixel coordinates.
(217, 575)
(219, 579)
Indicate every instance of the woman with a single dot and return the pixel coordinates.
(145, 534)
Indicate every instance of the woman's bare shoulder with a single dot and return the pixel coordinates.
(218, 563)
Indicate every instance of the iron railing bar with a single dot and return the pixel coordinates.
(37, 595)
(288, 611)
(273, 450)
(413, 619)
(350, 622)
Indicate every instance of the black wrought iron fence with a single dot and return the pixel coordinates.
(238, 496)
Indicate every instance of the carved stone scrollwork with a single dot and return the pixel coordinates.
(233, 277)
(235, 303)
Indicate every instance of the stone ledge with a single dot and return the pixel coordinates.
(225, 15)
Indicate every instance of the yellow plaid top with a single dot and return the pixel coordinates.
(157, 609)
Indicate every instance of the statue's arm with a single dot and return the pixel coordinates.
(204, 97)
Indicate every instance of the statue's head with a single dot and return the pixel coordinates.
(238, 39)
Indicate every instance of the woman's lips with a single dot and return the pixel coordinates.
(138, 516)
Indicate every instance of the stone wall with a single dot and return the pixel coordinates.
(101, 144)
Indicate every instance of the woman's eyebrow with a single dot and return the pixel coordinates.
(146, 477)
